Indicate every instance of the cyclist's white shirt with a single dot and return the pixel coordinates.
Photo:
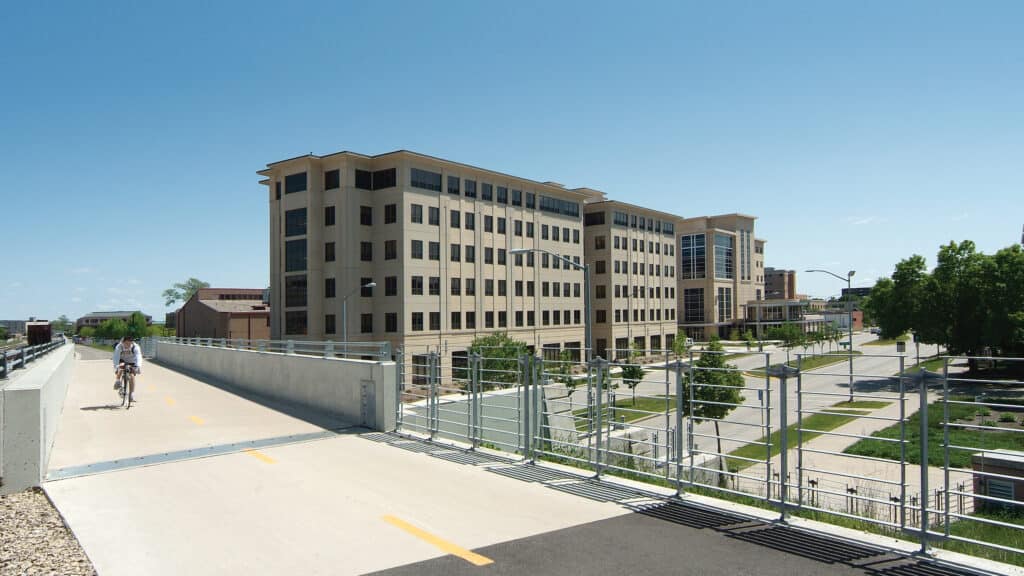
(132, 355)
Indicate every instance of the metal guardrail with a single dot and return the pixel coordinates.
(788, 443)
(20, 358)
(380, 351)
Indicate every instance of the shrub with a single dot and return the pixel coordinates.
(1006, 417)
(990, 423)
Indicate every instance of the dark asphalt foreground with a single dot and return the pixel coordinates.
(675, 538)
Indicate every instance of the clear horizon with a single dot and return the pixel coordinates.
(857, 134)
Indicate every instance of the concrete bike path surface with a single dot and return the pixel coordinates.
(340, 504)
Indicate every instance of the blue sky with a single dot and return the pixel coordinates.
(858, 133)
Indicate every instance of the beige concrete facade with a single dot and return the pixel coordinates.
(435, 237)
(721, 267)
(631, 251)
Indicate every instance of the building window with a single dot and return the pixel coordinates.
(364, 291)
(724, 304)
(600, 316)
(502, 195)
(328, 215)
(417, 214)
(488, 319)
(488, 255)
(294, 291)
(295, 183)
(470, 221)
(456, 286)
(692, 250)
(693, 305)
(456, 252)
(295, 322)
(366, 323)
(329, 251)
(486, 191)
(390, 213)
(332, 179)
(424, 179)
(488, 223)
(453, 185)
(417, 249)
(543, 231)
(469, 186)
(329, 327)
(501, 225)
(502, 287)
(365, 251)
(531, 202)
(417, 285)
(387, 178)
(502, 319)
(519, 287)
(390, 249)
(470, 320)
(599, 267)
(470, 286)
(277, 190)
(435, 251)
(364, 180)
(517, 197)
(488, 287)
(435, 285)
(391, 322)
(295, 222)
(434, 216)
(575, 235)
(529, 229)
(329, 288)
(294, 255)
(518, 227)
(456, 322)
(593, 219)
(453, 220)
(470, 253)
(724, 256)
(366, 215)
(391, 286)
(502, 256)
(417, 321)
(519, 318)
(435, 320)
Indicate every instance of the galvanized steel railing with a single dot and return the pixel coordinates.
(20, 358)
(787, 443)
(380, 351)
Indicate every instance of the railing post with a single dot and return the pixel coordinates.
(525, 377)
(600, 366)
(903, 446)
(261, 345)
(435, 380)
(3, 364)
(678, 437)
(923, 411)
(289, 347)
(783, 442)
(329, 349)
(474, 400)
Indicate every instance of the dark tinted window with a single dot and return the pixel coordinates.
(329, 288)
(391, 322)
(329, 251)
(295, 183)
(470, 188)
(295, 322)
(391, 286)
(330, 324)
(364, 291)
(365, 251)
(328, 215)
(417, 214)
(295, 222)
(486, 191)
(364, 180)
(294, 255)
(332, 179)
(453, 184)
(424, 179)
(366, 215)
(386, 178)
(531, 202)
(390, 213)
(502, 195)
(295, 291)
(517, 197)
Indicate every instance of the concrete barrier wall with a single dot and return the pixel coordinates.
(31, 406)
(359, 391)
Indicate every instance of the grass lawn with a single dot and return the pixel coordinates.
(862, 404)
(1013, 537)
(888, 341)
(976, 439)
(933, 365)
(625, 408)
(811, 362)
(824, 422)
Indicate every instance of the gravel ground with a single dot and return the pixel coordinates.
(34, 539)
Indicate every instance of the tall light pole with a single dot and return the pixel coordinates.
(588, 343)
(344, 314)
(849, 317)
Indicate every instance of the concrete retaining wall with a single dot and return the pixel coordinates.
(30, 408)
(359, 391)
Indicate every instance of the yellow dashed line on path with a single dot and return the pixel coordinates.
(259, 456)
(169, 400)
(444, 545)
(199, 421)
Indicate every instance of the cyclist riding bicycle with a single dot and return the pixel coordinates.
(127, 355)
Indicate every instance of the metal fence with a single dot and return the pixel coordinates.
(20, 358)
(379, 351)
(884, 448)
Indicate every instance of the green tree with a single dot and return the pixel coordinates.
(114, 328)
(679, 345)
(87, 332)
(182, 291)
(749, 337)
(62, 324)
(716, 389)
(499, 356)
(3, 333)
(632, 372)
(790, 334)
(136, 325)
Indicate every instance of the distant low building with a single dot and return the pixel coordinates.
(13, 326)
(94, 319)
(231, 313)
(862, 291)
(779, 284)
(841, 319)
(763, 315)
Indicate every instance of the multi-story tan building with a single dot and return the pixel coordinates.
(631, 252)
(435, 237)
(230, 313)
(721, 268)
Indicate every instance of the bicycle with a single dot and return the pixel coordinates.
(126, 381)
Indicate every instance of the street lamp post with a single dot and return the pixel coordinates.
(344, 314)
(588, 344)
(849, 317)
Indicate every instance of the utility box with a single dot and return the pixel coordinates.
(901, 347)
